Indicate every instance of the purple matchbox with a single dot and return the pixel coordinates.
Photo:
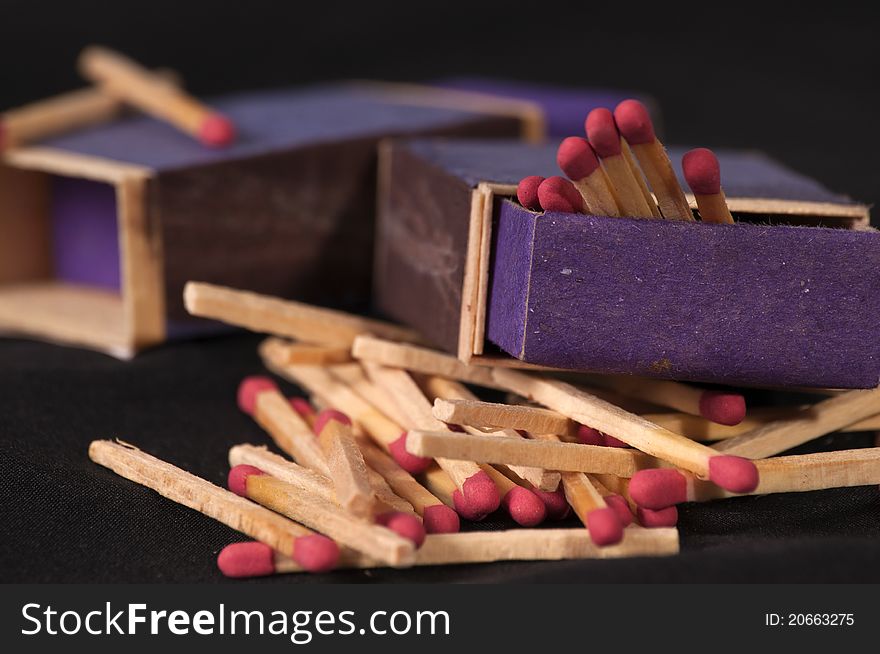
(787, 296)
(101, 228)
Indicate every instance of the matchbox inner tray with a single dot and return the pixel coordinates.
(789, 295)
(100, 229)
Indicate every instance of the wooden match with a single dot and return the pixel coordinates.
(578, 161)
(558, 194)
(312, 551)
(703, 174)
(120, 76)
(634, 123)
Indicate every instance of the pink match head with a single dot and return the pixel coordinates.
(701, 171)
(216, 131)
(253, 559)
(634, 122)
(440, 519)
(602, 132)
(723, 408)
(650, 519)
(621, 508)
(733, 473)
(589, 436)
(555, 504)
(527, 192)
(326, 416)
(610, 441)
(248, 390)
(526, 508)
(481, 493)
(412, 463)
(403, 524)
(237, 479)
(465, 510)
(658, 488)
(604, 526)
(302, 406)
(315, 553)
(576, 158)
(558, 194)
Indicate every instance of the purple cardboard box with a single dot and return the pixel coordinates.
(101, 228)
(788, 296)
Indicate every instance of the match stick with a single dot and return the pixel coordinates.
(614, 501)
(635, 125)
(440, 388)
(317, 355)
(477, 490)
(312, 551)
(251, 559)
(817, 420)
(657, 489)
(703, 174)
(491, 415)
(527, 192)
(558, 194)
(578, 161)
(639, 177)
(601, 520)
(723, 407)
(260, 398)
(345, 463)
(120, 76)
(548, 454)
(733, 473)
(437, 517)
(271, 315)
(524, 506)
(353, 376)
(312, 510)
(389, 435)
(606, 141)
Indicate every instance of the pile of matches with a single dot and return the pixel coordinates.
(607, 181)
(392, 449)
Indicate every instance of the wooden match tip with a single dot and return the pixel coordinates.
(658, 488)
(634, 122)
(315, 553)
(237, 479)
(412, 463)
(440, 519)
(605, 527)
(405, 525)
(702, 171)
(326, 416)
(576, 158)
(620, 507)
(651, 519)
(526, 191)
(524, 506)
(241, 560)
(250, 388)
(302, 406)
(733, 473)
(558, 194)
(602, 132)
(555, 504)
(216, 131)
(723, 408)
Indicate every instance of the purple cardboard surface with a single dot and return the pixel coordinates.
(734, 304)
(85, 234)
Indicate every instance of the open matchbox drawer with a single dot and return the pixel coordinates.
(101, 229)
(788, 296)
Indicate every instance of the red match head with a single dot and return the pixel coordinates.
(658, 488)
(701, 171)
(412, 463)
(589, 436)
(733, 473)
(216, 131)
(723, 408)
(610, 441)
(481, 493)
(605, 527)
(403, 524)
(464, 509)
(602, 132)
(527, 192)
(620, 507)
(315, 553)
(237, 479)
(558, 194)
(248, 390)
(650, 519)
(526, 508)
(302, 406)
(555, 504)
(576, 158)
(634, 122)
(326, 416)
(440, 519)
(240, 560)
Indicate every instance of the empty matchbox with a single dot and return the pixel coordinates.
(101, 228)
(789, 295)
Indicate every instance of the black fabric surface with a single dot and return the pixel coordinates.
(67, 519)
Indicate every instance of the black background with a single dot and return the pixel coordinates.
(800, 86)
